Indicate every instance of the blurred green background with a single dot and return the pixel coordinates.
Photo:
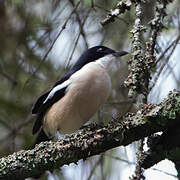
(27, 31)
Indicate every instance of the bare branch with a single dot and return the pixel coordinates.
(7, 76)
(81, 24)
(133, 163)
(172, 45)
(94, 168)
(76, 42)
(50, 48)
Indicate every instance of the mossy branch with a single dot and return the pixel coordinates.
(92, 140)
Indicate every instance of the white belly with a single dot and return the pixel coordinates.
(89, 89)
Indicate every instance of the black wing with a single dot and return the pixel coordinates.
(41, 99)
(39, 102)
(40, 107)
(45, 106)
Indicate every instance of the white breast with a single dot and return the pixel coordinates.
(89, 89)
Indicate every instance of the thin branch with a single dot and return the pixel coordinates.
(7, 76)
(5, 124)
(76, 42)
(133, 163)
(175, 42)
(94, 168)
(81, 24)
(172, 45)
(50, 48)
(102, 8)
(17, 129)
(169, 174)
(138, 79)
(120, 159)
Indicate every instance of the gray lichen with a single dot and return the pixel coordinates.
(120, 8)
(142, 61)
(91, 140)
(136, 64)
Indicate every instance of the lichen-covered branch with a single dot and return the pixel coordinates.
(156, 25)
(141, 63)
(136, 64)
(120, 8)
(91, 140)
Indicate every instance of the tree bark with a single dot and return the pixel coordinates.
(92, 140)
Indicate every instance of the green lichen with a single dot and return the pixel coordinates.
(172, 105)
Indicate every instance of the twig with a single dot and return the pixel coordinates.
(120, 159)
(7, 76)
(17, 129)
(76, 42)
(156, 27)
(173, 45)
(80, 24)
(169, 174)
(102, 8)
(133, 163)
(5, 124)
(94, 168)
(167, 49)
(102, 167)
(50, 48)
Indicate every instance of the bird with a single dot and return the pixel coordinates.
(77, 96)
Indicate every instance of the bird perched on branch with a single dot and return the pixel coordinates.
(77, 96)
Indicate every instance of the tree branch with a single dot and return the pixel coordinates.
(140, 65)
(92, 140)
(120, 8)
(136, 77)
(52, 45)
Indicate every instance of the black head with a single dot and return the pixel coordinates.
(95, 53)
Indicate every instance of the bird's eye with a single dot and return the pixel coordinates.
(100, 49)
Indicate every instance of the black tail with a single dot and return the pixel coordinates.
(41, 137)
(38, 123)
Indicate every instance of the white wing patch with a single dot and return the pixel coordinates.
(57, 88)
